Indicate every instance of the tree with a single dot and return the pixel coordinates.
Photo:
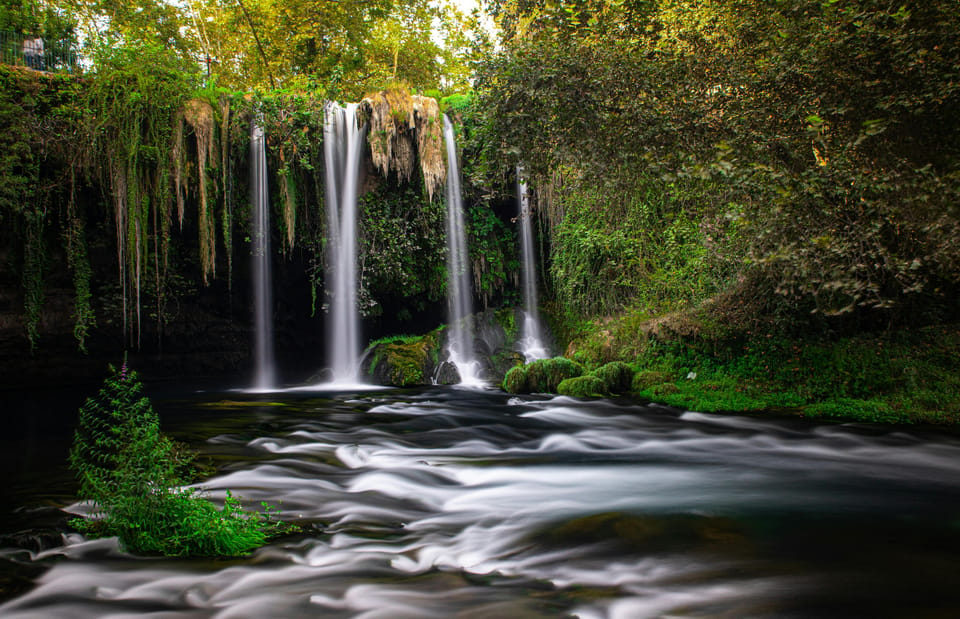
(823, 133)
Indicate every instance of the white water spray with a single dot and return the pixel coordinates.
(531, 342)
(343, 150)
(264, 371)
(459, 305)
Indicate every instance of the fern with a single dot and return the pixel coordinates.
(132, 473)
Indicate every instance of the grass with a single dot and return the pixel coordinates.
(903, 376)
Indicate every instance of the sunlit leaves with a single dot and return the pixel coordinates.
(830, 125)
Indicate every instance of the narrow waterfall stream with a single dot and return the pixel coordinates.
(451, 502)
(263, 349)
(531, 343)
(459, 292)
(343, 154)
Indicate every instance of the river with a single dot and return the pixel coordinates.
(472, 503)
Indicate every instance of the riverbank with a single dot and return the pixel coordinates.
(693, 362)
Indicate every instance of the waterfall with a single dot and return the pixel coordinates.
(262, 288)
(459, 306)
(343, 150)
(531, 343)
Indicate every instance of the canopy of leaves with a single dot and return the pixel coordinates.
(344, 48)
(823, 132)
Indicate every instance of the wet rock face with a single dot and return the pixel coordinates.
(447, 374)
(409, 361)
(404, 130)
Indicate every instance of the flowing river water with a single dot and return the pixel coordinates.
(473, 503)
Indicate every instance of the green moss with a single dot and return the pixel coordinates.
(665, 389)
(404, 360)
(646, 379)
(844, 408)
(616, 376)
(583, 387)
(515, 380)
(545, 375)
(541, 376)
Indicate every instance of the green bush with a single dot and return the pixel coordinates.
(645, 379)
(583, 387)
(665, 389)
(616, 375)
(515, 380)
(545, 375)
(132, 474)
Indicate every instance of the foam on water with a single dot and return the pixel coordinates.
(459, 501)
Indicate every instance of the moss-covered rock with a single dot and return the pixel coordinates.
(583, 387)
(665, 389)
(649, 378)
(403, 361)
(617, 376)
(515, 380)
(545, 375)
(541, 376)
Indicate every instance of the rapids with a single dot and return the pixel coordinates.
(455, 502)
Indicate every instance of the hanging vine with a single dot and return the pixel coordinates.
(226, 217)
(75, 242)
(199, 115)
(132, 102)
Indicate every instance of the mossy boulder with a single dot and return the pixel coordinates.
(515, 380)
(583, 387)
(665, 389)
(616, 376)
(541, 376)
(403, 361)
(649, 378)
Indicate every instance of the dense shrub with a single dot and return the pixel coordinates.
(541, 376)
(515, 380)
(545, 375)
(616, 376)
(648, 378)
(583, 387)
(132, 474)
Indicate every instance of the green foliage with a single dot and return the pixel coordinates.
(402, 253)
(617, 376)
(128, 137)
(583, 387)
(908, 375)
(646, 379)
(541, 376)
(403, 360)
(456, 103)
(36, 130)
(338, 49)
(493, 252)
(132, 473)
(805, 153)
(515, 380)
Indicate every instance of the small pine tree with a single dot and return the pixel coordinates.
(132, 473)
(118, 450)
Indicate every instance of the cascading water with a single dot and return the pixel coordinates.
(531, 343)
(264, 373)
(460, 342)
(343, 150)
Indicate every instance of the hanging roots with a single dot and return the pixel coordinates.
(199, 115)
(404, 128)
(430, 143)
